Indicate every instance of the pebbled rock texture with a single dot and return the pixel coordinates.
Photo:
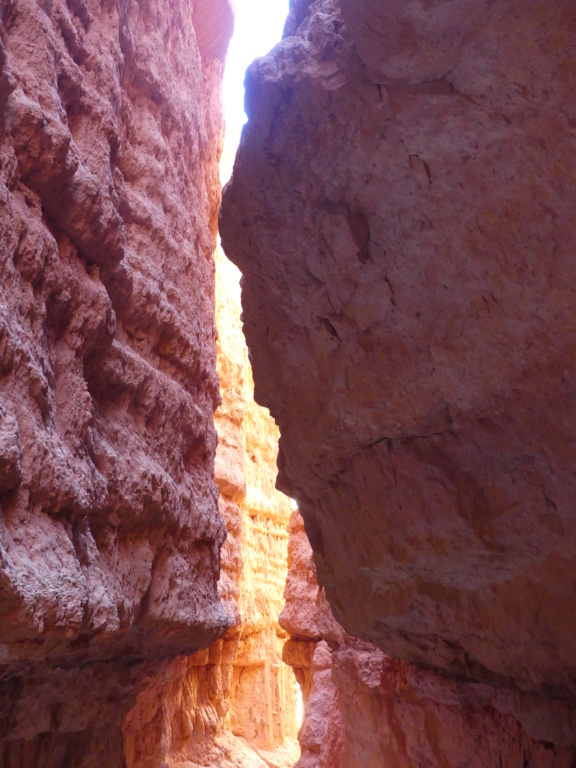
(402, 209)
(110, 133)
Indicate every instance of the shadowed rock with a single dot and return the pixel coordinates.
(402, 209)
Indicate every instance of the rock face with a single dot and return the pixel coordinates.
(255, 556)
(232, 705)
(364, 708)
(402, 209)
(314, 633)
(110, 131)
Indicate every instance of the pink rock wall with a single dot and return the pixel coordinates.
(365, 709)
(232, 705)
(110, 132)
(402, 209)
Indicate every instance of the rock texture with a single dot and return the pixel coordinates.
(110, 132)
(232, 705)
(262, 695)
(364, 708)
(402, 209)
(263, 690)
(314, 634)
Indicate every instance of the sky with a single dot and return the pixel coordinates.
(257, 28)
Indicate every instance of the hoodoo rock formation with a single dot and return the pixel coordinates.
(110, 133)
(402, 210)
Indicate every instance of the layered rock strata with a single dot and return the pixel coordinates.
(232, 705)
(262, 708)
(402, 209)
(110, 133)
(263, 689)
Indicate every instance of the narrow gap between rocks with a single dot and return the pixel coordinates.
(236, 704)
(265, 701)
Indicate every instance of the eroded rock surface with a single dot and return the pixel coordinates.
(402, 209)
(263, 692)
(232, 705)
(364, 708)
(110, 131)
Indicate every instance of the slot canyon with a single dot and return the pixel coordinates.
(402, 212)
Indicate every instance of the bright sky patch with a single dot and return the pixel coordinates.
(257, 28)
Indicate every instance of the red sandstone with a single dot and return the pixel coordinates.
(110, 133)
(402, 209)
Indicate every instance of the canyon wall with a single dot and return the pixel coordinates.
(263, 688)
(365, 709)
(110, 134)
(402, 210)
(232, 705)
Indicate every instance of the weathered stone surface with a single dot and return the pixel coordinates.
(364, 708)
(402, 209)
(232, 705)
(110, 131)
(262, 706)
(299, 615)
(402, 715)
(322, 716)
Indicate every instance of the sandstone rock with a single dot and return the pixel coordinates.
(263, 693)
(110, 131)
(402, 211)
(319, 706)
(299, 614)
(390, 721)
(367, 709)
(10, 450)
(232, 705)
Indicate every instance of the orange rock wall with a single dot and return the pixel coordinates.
(110, 133)
(263, 696)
